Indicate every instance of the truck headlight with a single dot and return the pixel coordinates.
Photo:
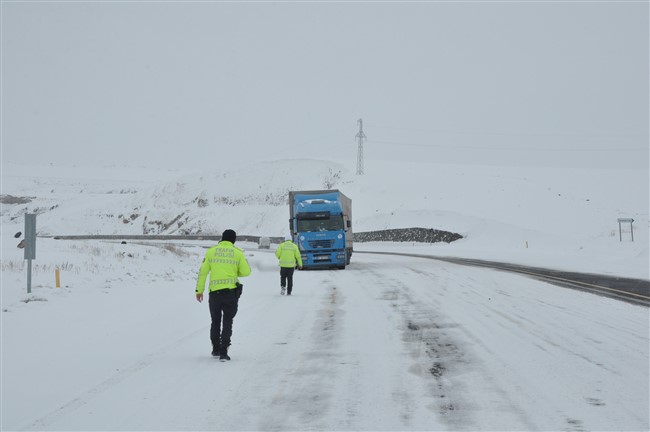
(340, 256)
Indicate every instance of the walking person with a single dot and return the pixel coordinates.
(288, 255)
(225, 264)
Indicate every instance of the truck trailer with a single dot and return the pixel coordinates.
(321, 225)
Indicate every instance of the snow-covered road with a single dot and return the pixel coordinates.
(391, 343)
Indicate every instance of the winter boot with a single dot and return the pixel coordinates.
(282, 290)
(223, 354)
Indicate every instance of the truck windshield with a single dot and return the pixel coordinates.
(334, 223)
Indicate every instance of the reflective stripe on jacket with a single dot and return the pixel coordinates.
(226, 264)
(288, 254)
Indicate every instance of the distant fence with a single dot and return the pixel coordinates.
(216, 238)
(417, 235)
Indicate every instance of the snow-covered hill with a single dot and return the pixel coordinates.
(557, 217)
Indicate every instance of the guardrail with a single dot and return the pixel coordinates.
(417, 235)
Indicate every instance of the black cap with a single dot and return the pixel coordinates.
(229, 235)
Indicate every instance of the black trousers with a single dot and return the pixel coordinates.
(286, 278)
(223, 303)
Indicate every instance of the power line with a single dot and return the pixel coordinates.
(515, 134)
(508, 148)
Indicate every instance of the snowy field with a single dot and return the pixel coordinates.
(390, 343)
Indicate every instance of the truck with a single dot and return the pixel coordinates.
(321, 225)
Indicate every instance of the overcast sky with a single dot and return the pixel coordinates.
(209, 84)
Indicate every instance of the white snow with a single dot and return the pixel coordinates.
(390, 343)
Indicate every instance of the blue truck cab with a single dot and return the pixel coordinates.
(321, 226)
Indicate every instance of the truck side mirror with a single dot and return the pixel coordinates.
(349, 223)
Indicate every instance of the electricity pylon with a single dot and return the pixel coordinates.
(360, 137)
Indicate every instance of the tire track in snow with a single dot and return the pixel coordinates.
(445, 343)
(402, 394)
(537, 335)
(375, 396)
(436, 355)
(440, 354)
(304, 398)
(378, 391)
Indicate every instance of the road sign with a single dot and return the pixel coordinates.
(620, 229)
(30, 246)
(30, 236)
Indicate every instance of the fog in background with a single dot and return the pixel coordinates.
(219, 84)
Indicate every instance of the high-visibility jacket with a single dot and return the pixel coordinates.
(288, 254)
(226, 264)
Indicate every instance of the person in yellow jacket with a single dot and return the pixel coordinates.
(225, 264)
(288, 256)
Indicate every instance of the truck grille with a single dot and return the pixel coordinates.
(321, 244)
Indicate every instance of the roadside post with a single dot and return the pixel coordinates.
(30, 246)
(620, 230)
